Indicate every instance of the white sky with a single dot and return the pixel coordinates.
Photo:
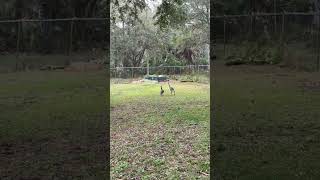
(153, 4)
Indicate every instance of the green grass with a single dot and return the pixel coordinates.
(266, 125)
(52, 120)
(160, 137)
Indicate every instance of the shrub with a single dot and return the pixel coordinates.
(256, 53)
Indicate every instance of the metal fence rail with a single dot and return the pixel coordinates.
(53, 20)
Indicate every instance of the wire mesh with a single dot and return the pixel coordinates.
(288, 39)
(138, 72)
(31, 44)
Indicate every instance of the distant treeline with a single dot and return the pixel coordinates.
(51, 36)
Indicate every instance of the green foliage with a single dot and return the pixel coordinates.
(170, 13)
(257, 53)
(199, 78)
(162, 46)
(203, 61)
(126, 11)
(235, 62)
(172, 60)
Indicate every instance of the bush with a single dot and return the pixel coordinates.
(256, 53)
(235, 62)
(199, 78)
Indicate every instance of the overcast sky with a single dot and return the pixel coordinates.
(153, 4)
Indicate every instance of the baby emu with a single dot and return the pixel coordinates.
(171, 89)
(161, 91)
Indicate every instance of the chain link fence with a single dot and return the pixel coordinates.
(287, 39)
(31, 44)
(138, 72)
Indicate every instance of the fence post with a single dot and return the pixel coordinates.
(282, 35)
(282, 27)
(132, 73)
(71, 37)
(18, 45)
(18, 37)
(251, 25)
(318, 44)
(275, 16)
(224, 36)
(148, 71)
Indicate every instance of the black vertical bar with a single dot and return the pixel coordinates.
(18, 38)
(71, 37)
(283, 35)
(318, 44)
(275, 16)
(224, 36)
(282, 28)
(212, 117)
(108, 96)
(132, 73)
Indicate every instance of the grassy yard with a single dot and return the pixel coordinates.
(52, 122)
(266, 126)
(266, 123)
(154, 137)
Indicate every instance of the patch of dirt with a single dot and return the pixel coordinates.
(310, 85)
